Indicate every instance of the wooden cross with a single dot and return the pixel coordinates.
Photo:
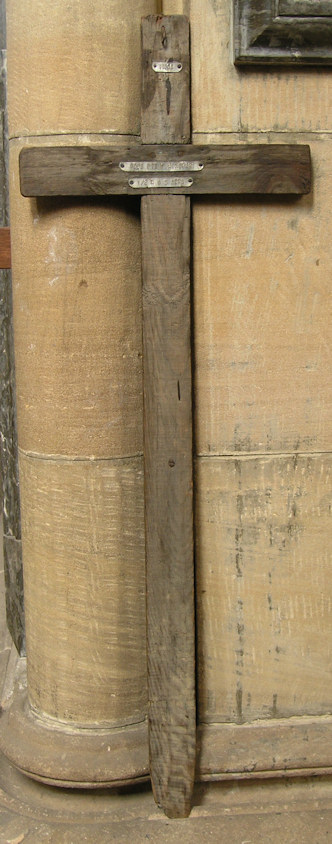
(165, 169)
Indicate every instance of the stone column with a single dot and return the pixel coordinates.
(12, 550)
(74, 77)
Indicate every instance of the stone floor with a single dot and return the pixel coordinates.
(298, 812)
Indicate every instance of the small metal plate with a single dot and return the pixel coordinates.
(167, 67)
(161, 166)
(161, 182)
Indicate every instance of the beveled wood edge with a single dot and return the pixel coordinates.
(271, 748)
(168, 430)
(272, 774)
(260, 37)
(168, 491)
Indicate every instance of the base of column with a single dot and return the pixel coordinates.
(62, 755)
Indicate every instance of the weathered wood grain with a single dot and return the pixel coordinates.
(293, 36)
(168, 441)
(263, 363)
(5, 253)
(262, 353)
(307, 8)
(165, 96)
(168, 499)
(263, 574)
(277, 748)
(227, 169)
(263, 317)
(227, 100)
(158, 214)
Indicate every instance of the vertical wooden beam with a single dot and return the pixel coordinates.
(165, 96)
(168, 432)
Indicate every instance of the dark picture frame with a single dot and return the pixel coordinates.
(283, 32)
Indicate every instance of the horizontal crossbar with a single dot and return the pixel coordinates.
(160, 169)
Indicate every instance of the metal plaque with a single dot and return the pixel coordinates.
(160, 166)
(167, 67)
(161, 182)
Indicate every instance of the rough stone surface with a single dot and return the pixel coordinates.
(10, 491)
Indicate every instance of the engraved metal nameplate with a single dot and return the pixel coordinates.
(161, 182)
(167, 67)
(161, 166)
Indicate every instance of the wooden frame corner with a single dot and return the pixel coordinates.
(283, 32)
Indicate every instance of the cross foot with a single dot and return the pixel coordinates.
(158, 170)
